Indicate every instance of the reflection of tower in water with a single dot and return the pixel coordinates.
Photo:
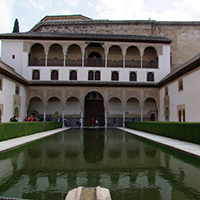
(93, 145)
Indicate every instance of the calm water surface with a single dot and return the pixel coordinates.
(130, 167)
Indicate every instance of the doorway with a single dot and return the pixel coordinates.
(94, 108)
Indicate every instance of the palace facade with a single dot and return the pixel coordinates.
(74, 67)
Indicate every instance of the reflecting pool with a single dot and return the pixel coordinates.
(131, 167)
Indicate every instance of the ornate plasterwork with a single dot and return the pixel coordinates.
(115, 93)
(133, 94)
(35, 93)
(148, 94)
(54, 93)
(72, 93)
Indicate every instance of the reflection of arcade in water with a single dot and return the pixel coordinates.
(109, 158)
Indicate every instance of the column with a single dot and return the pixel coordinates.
(124, 61)
(44, 114)
(46, 58)
(64, 60)
(141, 61)
(106, 62)
(63, 116)
(124, 116)
(106, 121)
(81, 117)
(157, 114)
(141, 109)
(83, 58)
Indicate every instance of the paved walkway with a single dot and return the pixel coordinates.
(16, 142)
(187, 147)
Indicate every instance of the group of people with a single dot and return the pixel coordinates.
(95, 122)
(14, 119)
(31, 118)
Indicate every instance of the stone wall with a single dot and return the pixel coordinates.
(183, 34)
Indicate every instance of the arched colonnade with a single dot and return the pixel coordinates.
(108, 54)
(111, 107)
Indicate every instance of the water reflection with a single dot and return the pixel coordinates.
(130, 168)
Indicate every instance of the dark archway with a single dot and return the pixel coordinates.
(94, 108)
(153, 117)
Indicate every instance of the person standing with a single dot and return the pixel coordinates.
(31, 118)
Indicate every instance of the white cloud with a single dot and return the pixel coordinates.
(71, 3)
(37, 4)
(121, 9)
(137, 9)
(6, 20)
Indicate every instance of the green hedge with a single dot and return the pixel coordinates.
(189, 132)
(18, 129)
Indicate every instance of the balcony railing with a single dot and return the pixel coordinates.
(133, 63)
(73, 62)
(97, 62)
(115, 63)
(36, 62)
(55, 62)
(150, 64)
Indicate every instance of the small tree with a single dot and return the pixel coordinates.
(16, 26)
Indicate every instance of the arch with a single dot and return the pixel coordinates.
(94, 52)
(133, 109)
(74, 56)
(36, 75)
(179, 116)
(54, 109)
(93, 153)
(73, 75)
(72, 110)
(115, 57)
(97, 75)
(132, 147)
(115, 112)
(150, 107)
(150, 77)
(183, 115)
(90, 75)
(16, 112)
(94, 108)
(150, 58)
(0, 84)
(55, 55)
(36, 107)
(133, 58)
(115, 76)
(34, 153)
(133, 76)
(37, 55)
(54, 75)
(166, 114)
(150, 151)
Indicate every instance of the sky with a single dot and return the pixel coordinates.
(30, 12)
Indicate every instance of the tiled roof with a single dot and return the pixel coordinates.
(85, 36)
(11, 73)
(181, 70)
(116, 22)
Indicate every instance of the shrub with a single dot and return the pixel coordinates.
(189, 132)
(17, 129)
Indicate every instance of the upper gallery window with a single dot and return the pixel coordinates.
(36, 75)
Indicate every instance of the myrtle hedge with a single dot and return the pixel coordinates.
(17, 129)
(189, 132)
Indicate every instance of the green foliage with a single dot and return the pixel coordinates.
(17, 129)
(189, 132)
(16, 26)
